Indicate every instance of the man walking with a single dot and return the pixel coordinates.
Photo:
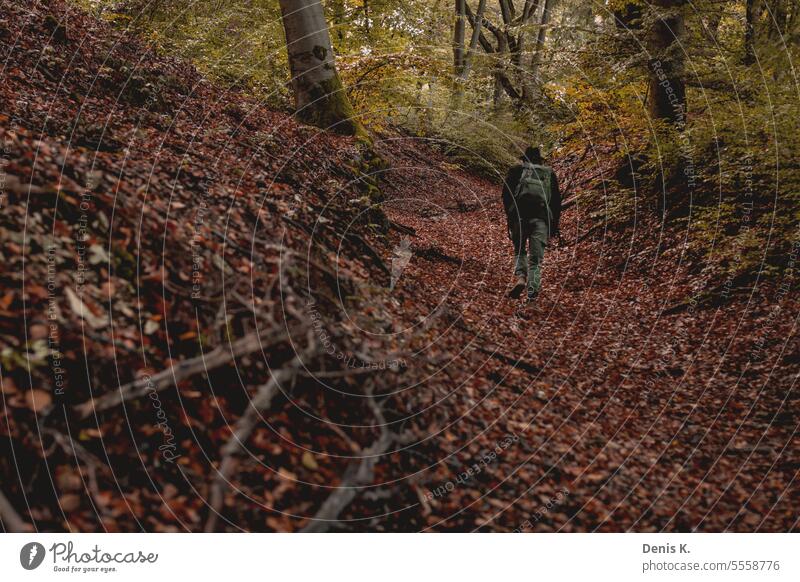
(532, 203)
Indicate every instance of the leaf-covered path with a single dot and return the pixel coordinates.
(604, 412)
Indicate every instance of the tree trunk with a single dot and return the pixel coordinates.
(778, 21)
(525, 75)
(459, 29)
(508, 45)
(497, 90)
(320, 98)
(536, 60)
(473, 42)
(667, 92)
(750, 32)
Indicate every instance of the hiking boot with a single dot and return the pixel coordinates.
(531, 298)
(519, 286)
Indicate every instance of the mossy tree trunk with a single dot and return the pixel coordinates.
(320, 98)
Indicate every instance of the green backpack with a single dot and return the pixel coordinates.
(532, 195)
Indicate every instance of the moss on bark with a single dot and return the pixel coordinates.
(329, 108)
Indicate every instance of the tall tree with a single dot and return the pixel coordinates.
(509, 42)
(459, 29)
(667, 91)
(462, 53)
(541, 37)
(466, 63)
(320, 98)
(774, 21)
(749, 32)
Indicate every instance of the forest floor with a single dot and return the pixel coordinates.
(626, 417)
(147, 218)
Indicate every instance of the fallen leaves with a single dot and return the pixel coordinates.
(82, 310)
(309, 462)
(38, 400)
(69, 502)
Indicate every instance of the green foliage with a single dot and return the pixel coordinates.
(240, 43)
(485, 140)
(739, 144)
(730, 175)
(750, 194)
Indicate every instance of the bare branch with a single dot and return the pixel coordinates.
(356, 476)
(485, 44)
(69, 446)
(217, 357)
(241, 433)
(507, 11)
(473, 43)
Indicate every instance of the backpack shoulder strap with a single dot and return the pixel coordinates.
(545, 176)
(526, 169)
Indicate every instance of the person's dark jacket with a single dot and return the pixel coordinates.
(510, 186)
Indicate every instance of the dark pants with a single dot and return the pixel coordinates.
(529, 244)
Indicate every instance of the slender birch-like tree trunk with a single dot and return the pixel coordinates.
(541, 38)
(459, 30)
(473, 42)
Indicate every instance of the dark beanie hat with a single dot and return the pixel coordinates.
(533, 153)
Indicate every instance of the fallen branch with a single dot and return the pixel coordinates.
(402, 228)
(356, 476)
(376, 258)
(241, 433)
(570, 202)
(433, 253)
(12, 522)
(217, 357)
(520, 364)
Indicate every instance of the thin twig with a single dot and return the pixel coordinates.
(371, 252)
(402, 228)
